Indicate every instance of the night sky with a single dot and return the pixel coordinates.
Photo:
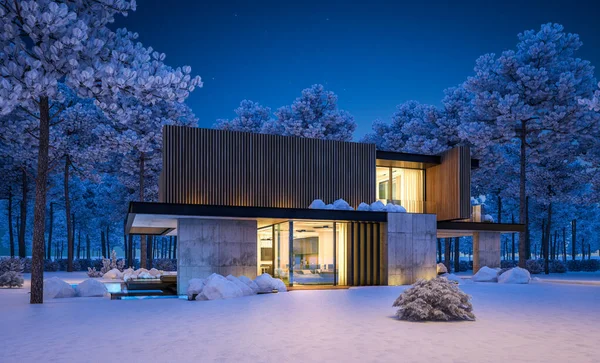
(374, 55)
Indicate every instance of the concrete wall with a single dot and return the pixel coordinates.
(223, 246)
(486, 250)
(411, 247)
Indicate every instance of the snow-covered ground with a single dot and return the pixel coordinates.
(540, 322)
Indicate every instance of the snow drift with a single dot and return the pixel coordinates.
(91, 288)
(515, 275)
(486, 274)
(57, 288)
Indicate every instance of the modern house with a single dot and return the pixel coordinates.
(238, 203)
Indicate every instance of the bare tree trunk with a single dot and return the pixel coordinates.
(143, 246)
(125, 250)
(88, 253)
(547, 241)
(131, 260)
(512, 235)
(564, 249)
(149, 251)
(589, 251)
(39, 214)
(68, 216)
(23, 225)
(50, 228)
(439, 249)
(11, 236)
(522, 196)
(108, 250)
(582, 248)
(78, 242)
(573, 239)
(456, 254)
(103, 243)
(175, 247)
(171, 247)
(447, 254)
(499, 209)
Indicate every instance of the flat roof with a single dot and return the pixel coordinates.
(409, 160)
(160, 218)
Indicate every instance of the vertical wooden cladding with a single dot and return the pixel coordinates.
(448, 185)
(365, 256)
(217, 167)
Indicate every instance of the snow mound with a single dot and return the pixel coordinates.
(363, 207)
(377, 206)
(515, 275)
(195, 287)
(317, 204)
(266, 283)
(57, 288)
(486, 274)
(441, 269)
(329, 206)
(251, 284)
(394, 208)
(488, 218)
(91, 288)
(246, 290)
(341, 204)
(145, 275)
(113, 274)
(454, 278)
(154, 272)
(218, 287)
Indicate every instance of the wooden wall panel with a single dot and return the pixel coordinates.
(364, 258)
(448, 185)
(217, 167)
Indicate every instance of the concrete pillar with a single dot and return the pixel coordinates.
(206, 246)
(411, 247)
(486, 250)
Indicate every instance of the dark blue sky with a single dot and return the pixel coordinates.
(373, 54)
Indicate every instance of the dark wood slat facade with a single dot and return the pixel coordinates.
(448, 185)
(365, 254)
(217, 167)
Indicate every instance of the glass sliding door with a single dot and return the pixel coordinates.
(265, 251)
(313, 253)
(282, 251)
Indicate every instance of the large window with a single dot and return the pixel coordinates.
(316, 252)
(401, 186)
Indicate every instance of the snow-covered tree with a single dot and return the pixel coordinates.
(314, 114)
(251, 117)
(530, 96)
(435, 299)
(594, 102)
(43, 42)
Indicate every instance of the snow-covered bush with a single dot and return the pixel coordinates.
(515, 275)
(317, 204)
(218, 287)
(486, 274)
(246, 290)
(57, 288)
(363, 207)
(11, 279)
(465, 266)
(488, 219)
(557, 266)
(91, 288)
(378, 206)
(266, 283)
(441, 269)
(113, 274)
(394, 208)
(250, 283)
(165, 264)
(11, 264)
(341, 204)
(453, 278)
(590, 265)
(434, 300)
(534, 267)
(195, 287)
(108, 264)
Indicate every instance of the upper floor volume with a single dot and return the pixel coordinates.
(228, 168)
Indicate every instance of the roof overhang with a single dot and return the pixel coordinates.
(460, 229)
(414, 161)
(161, 218)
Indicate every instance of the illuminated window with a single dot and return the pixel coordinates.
(401, 186)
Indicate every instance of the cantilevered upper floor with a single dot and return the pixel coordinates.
(228, 168)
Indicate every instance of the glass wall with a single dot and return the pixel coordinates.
(316, 252)
(401, 186)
